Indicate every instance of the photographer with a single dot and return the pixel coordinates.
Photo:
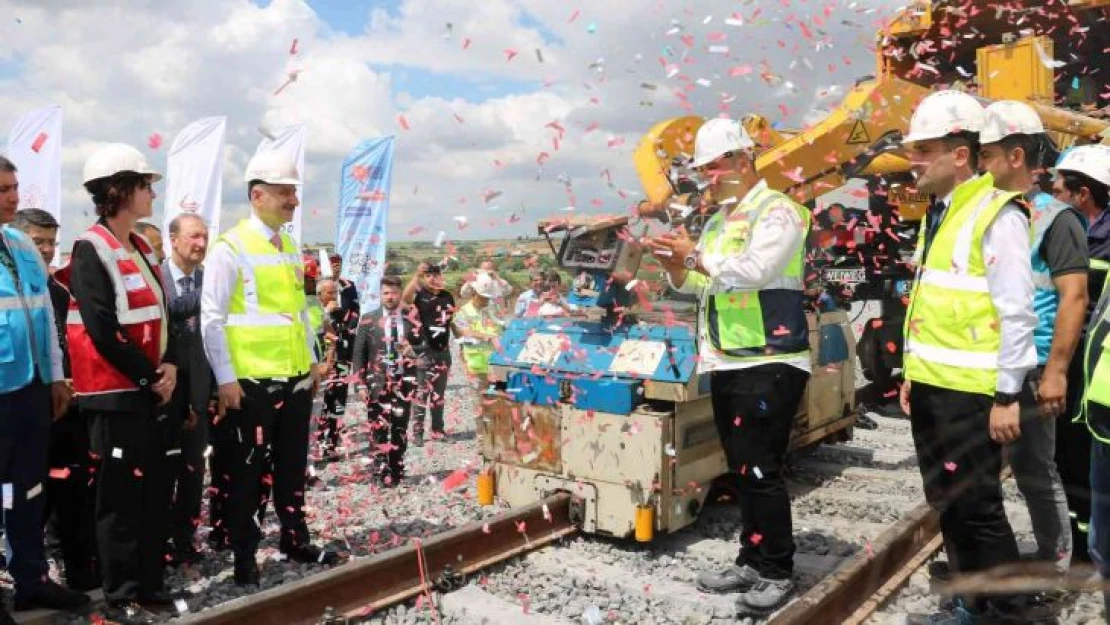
(435, 307)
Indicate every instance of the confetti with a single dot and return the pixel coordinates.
(404, 123)
(154, 141)
(40, 140)
(950, 466)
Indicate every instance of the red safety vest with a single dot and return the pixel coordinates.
(137, 307)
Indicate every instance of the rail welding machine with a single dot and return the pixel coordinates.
(609, 407)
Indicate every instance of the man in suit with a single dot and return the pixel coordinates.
(385, 363)
(192, 397)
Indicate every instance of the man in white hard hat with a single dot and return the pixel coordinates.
(968, 340)
(259, 341)
(747, 271)
(1014, 148)
(1083, 181)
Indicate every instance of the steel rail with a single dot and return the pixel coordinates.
(364, 586)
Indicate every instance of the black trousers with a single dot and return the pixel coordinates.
(754, 410)
(388, 415)
(24, 432)
(1073, 460)
(138, 462)
(70, 496)
(189, 481)
(268, 437)
(432, 370)
(219, 470)
(335, 405)
(960, 467)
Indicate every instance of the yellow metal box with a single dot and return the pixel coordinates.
(1017, 71)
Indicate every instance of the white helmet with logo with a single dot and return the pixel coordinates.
(272, 168)
(717, 137)
(1009, 117)
(945, 113)
(117, 158)
(1091, 160)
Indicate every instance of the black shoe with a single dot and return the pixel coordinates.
(52, 596)
(246, 571)
(128, 613)
(311, 554)
(160, 600)
(218, 540)
(5, 618)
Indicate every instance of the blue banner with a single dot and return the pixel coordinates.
(361, 228)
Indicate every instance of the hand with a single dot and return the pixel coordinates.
(364, 395)
(167, 381)
(319, 372)
(332, 306)
(1052, 394)
(672, 248)
(60, 396)
(1004, 425)
(191, 420)
(231, 398)
(904, 397)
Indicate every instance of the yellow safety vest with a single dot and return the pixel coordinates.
(476, 354)
(764, 325)
(1096, 367)
(952, 333)
(265, 329)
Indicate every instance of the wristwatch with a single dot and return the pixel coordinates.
(692, 259)
(1005, 399)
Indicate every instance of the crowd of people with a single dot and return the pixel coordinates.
(133, 381)
(1003, 345)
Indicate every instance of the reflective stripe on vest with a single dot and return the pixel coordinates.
(952, 332)
(16, 302)
(762, 325)
(266, 333)
(1096, 368)
(1046, 301)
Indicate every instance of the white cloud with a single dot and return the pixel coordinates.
(124, 71)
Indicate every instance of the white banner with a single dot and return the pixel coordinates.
(290, 141)
(35, 146)
(194, 173)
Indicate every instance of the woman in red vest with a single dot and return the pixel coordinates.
(117, 331)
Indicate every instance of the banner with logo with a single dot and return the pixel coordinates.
(194, 173)
(363, 214)
(35, 147)
(290, 141)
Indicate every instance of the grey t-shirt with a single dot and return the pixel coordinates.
(1064, 246)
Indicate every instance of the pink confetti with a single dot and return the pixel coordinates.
(756, 539)
(455, 480)
(950, 467)
(154, 141)
(466, 43)
(60, 474)
(138, 472)
(740, 70)
(573, 16)
(403, 122)
(293, 48)
(39, 141)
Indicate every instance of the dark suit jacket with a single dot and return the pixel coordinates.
(192, 363)
(370, 351)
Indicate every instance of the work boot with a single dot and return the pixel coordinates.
(129, 613)
(310, 554)
(735, 578)
(50, 595)
(82, 577)
(765, 595)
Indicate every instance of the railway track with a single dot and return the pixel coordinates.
(858, 523)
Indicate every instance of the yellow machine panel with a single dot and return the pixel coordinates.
(1017, 71)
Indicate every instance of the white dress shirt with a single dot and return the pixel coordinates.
(220, 276)
(775, 240)
(177, 273)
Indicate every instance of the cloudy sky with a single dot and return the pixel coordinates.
(484, 87)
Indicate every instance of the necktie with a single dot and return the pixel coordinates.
(394, 340)
(186, 283)
(933, 218)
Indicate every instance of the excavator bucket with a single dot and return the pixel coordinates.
(665, 141)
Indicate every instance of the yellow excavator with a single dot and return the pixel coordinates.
(1051, 54)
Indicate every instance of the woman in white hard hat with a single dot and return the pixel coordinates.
(478, 327)
(117, 331)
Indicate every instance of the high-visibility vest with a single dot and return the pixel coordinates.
(1046, 299)
(25, 329)
(764, 325)
(952, 333)
(1096, 368)
(476, 352)
(265, 329)
(139, 309)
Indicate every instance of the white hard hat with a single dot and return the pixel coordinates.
(486, 286)
(272, 168)
(944, 113)
(1090, 160)
(116, 158)
(717, 137)
(1009, 117)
